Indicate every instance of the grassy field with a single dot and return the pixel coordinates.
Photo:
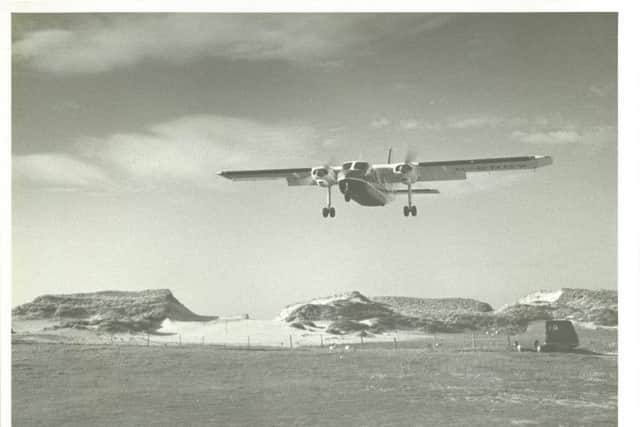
(57, 384)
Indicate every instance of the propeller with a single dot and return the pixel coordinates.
(331, 162)
(410, 157)
(329, 177)
(407, 167)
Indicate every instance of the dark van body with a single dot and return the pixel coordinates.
(548, 335)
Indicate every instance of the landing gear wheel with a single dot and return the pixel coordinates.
(332, 212)
(325, 212)
(414, 210)
(406, 211)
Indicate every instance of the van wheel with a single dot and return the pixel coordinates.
(537, 346)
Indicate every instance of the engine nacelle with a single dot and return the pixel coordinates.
(408, 172)
(324, 176)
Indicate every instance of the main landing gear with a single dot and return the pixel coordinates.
(329, 211)
(413, 210)
(410, 209)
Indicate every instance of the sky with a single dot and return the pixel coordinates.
(121, 121)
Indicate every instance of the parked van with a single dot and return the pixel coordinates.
(547, 335)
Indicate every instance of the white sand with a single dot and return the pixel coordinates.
(541, 297)
(272, 333)
(263, 332)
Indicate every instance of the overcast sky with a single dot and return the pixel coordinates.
(120, 123)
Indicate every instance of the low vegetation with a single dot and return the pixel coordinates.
(109, 311)
(201, 385)
(354, 312)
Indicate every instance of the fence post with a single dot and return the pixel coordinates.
(395, 343)
(321, 341)
(248, 341)
(508, 341)
(473, 340)
(148, 339)
(290, 342)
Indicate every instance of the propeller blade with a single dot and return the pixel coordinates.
(410, 156)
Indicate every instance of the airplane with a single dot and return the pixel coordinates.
(376, 185)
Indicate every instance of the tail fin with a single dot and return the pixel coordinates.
(389, 155)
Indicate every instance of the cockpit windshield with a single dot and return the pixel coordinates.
(346, 166)
(363, 166)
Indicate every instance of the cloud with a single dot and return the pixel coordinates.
(58, 171)
(475, 121)
(381, 122)
(480, 183)
(184, 152)
(409, 124)
(536, 129)
(562, 136)
(453, 122)
(602, 90)
(90, 45)
(600, 136)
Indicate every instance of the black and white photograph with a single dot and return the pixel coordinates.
(314, 219)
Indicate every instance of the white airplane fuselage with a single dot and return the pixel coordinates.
(359, 182)
(364, 189)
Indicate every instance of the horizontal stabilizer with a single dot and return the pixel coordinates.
(417, 191)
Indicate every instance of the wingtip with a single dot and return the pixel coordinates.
(544, 160)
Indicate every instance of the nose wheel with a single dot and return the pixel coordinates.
(329, 211)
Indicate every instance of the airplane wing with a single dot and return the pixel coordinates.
(294, 176)
(458, 169)
(417, 191)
